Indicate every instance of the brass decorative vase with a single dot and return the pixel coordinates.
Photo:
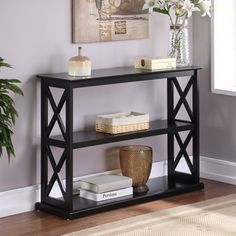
(136, 162)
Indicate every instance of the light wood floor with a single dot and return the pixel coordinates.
(39, 223)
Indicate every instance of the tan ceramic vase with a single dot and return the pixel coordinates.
(136, 162)
(79, 65)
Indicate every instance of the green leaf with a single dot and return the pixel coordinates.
(4, 64)
(10, 81)
(8, 112)
(162, 11)
(11, 87)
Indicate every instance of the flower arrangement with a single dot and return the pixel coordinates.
(178, 11)
(181, 9)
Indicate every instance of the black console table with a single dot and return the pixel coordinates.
(71, 206)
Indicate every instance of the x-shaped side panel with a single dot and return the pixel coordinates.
(182, 151)
(182, 99)
(56, 169)
(56, 115)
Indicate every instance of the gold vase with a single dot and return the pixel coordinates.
(136, 162)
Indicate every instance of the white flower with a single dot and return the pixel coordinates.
(177, 6)
(149, 4)
(188, 8)
(161, 4)
(173, 2)
(178, 9)
(205, 6)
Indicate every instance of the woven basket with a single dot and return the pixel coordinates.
(121, 128)
(122, 122)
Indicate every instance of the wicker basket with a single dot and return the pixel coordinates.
(117, 123)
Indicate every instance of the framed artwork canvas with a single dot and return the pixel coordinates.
(109, 20)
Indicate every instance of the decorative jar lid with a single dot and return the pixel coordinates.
(79, 58)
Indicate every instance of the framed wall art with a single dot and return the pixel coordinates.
(109, 20)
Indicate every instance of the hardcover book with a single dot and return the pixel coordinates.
(105, 183)
(106, 195)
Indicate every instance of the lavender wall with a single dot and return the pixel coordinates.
(217, 112)
(36, 38)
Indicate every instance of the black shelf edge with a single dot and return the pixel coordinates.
(160, 187)
(92, 138)
(116, 75)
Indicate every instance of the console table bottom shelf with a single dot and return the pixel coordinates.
(159, 188)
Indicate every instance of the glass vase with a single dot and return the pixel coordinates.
(136, 162)
(179, 44)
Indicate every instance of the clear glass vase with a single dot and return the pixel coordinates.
(179, 44)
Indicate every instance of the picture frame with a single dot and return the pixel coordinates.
(109, 20)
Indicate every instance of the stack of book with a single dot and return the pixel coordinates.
(105, 187)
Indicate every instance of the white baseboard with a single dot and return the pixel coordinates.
(17, 201)
(218, 170)
(22, 200)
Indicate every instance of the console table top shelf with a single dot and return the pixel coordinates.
(116, 75)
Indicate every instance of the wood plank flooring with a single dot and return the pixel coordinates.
(42, 224)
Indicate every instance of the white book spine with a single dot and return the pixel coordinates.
(107, 187)
(107, 195)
